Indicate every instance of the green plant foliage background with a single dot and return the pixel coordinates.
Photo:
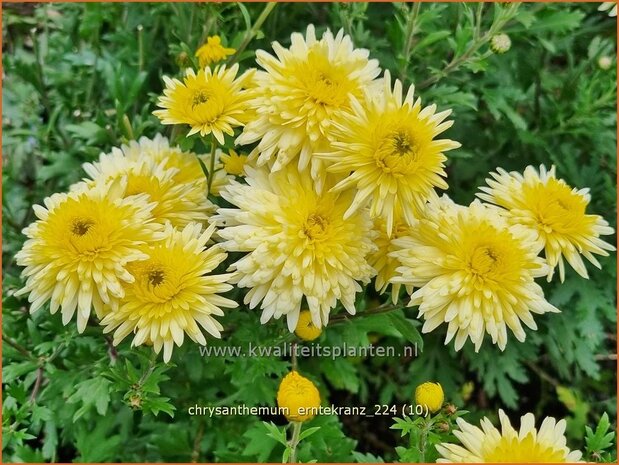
(82, 78)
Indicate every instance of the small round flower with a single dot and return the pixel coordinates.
(301, 92)
(430, 396)
(79, 250)
(234, 163)
(142, 173)
(605, 62)
(387, 150)
(298, 244)
(305, 327)
(381, 260)
(212, 101)
(554, 212)
(298, 397)
(474, 271)
(212, 51)
(490, 445)
(500, 43)
(174, 290)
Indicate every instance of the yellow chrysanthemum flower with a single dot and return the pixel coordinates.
(473, 271)
(298, 396)
(299, 95)
(385, 264)
(387, 145)
(490, 445)
(233, 163)
(179, 203)
(554, 212)
(173, 292)
(298, 243)
(212, 51)
(430, 396)
(212, 101)
(186, 166)
(306, 329)
(78, 251)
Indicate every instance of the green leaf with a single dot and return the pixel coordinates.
(91, 393)
(406, 328)
(602, 438)
(275, 433)
(308, 432)
(257, 444)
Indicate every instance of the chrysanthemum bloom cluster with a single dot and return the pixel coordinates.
(528, 445)
(340, 187)
(130, 243)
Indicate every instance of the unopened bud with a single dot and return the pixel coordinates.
(605, 62)
(500, 43)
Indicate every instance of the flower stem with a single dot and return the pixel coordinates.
(410, 34)
(294, 442)
(211, 170)
(253, 31)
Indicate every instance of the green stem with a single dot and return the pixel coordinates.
(410, 34)
(140, 48)
(422, 441)
(17, 346)
(211, 170)
(375, 311)
(294, 357)
(40, 73)
(456, 62)
(294, 442)
(253, 31)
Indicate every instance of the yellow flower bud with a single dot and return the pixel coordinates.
(213, 51)
(430, 396)
(305, 328)
(298, 396)
(605, 62)
(500, 43)
(234, 163)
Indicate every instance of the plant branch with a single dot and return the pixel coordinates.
(410, 34)
(17, 346)
(253, 31)
(211, 170)
(195, 454)
(294, 442)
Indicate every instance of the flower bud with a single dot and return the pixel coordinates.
(500, 43)
(305, 327)
(298, 396)
(605, 62)
(430, 396)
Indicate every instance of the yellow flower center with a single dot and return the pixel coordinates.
(528, 450)
(483, 261)
(200, 97)
(557, 209)
(156, 282)
(81, 226)
(325, 83)
(398, 152)
(315, 227)
(156, 277)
